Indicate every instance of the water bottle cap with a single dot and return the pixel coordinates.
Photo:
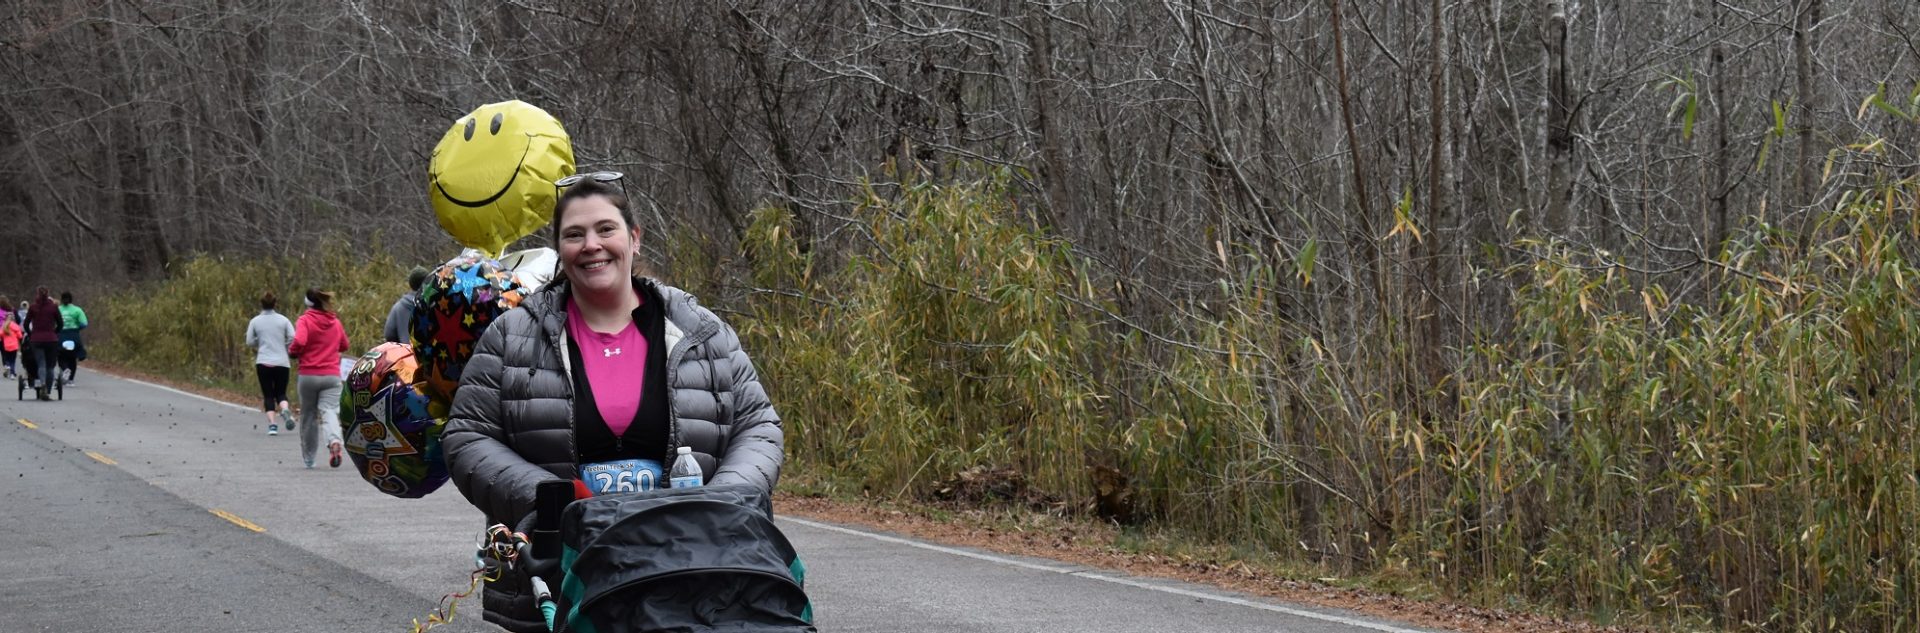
(685, 450)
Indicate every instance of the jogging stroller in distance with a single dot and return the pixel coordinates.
(683, 560)
(30, 368)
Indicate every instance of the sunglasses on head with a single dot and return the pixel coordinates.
(597, 176)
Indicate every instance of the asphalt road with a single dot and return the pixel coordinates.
(132, 507)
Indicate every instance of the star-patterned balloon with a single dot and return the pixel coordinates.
(457, 303)
(390, 435)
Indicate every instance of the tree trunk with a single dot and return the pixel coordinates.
(21, 259)
(1435, 259)
(706, 138)
(1804, 22)
(1361, 232)
(143, 242)
(1716, 187)
(769, 88)
(1040, 82)
(1559, 120)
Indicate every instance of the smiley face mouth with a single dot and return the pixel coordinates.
(517, 164)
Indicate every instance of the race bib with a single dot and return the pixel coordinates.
(622, 475)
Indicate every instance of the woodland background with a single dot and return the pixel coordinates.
(1597, 305)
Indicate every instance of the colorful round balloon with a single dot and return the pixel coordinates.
(491, 177)
(392, 438)
(457, 303)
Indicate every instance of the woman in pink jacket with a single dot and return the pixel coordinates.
(318, 340)
(9, 336)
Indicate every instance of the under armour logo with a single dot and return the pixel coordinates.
(610, 353)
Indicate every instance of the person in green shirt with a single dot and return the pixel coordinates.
(72, 320)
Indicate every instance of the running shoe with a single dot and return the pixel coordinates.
(273, 429)
(333, 454)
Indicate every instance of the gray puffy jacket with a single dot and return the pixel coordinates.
(511, 426)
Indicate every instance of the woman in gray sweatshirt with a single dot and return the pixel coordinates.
(270, 334)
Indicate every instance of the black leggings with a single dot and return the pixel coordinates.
(273, 385)
(45, 356)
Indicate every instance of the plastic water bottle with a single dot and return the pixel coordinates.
(686, 471)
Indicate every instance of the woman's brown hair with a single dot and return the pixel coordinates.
(321, 299)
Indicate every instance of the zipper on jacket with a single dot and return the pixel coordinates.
(688, 340)
(557, 340)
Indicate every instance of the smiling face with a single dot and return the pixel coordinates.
(597, 246)
(491, 177)
(505, 146)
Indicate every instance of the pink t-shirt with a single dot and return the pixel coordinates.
(616, 366)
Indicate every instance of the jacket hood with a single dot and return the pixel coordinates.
(321, 320)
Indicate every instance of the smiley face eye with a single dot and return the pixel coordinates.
(469, 129)
(494, 128)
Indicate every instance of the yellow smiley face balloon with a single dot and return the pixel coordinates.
(491, 178)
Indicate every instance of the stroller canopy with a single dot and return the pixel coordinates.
(684, 559)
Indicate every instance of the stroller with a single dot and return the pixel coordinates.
(31, 368)
(682, 559)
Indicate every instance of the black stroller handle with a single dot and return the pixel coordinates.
(550, 499)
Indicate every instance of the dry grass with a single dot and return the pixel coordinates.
(1742, 461)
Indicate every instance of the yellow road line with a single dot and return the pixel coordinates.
(102, 459)
(25, 423)
(231, 518)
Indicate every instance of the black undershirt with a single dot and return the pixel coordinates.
(646, 437)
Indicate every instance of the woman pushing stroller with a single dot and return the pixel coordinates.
(43, 340)
(605, 371)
